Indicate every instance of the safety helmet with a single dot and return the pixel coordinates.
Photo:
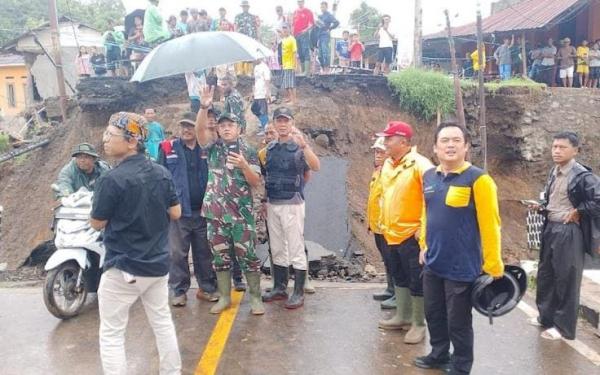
(494, 298)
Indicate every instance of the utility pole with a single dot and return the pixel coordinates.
(523, 55)
(482, 120)
(418, 34)
(60, 76)
(460, 110)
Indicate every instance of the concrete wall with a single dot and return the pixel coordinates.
(44, 73)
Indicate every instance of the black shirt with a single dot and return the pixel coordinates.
(135, 197)
(196, 188)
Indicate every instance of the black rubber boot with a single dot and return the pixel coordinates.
(280, 282)
(296, 300)
(388, 292)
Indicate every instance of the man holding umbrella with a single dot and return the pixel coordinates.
(233, 171)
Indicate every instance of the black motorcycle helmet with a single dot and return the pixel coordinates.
(494, 298)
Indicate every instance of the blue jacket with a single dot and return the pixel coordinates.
(172, 157)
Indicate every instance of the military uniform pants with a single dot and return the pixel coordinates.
(448, 311)
(559, 277)
(185, 233)
(286, 235)
(237, 239)
(405, 267)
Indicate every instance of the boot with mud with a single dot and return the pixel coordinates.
(256, 304)
(416, 334)
(402, 318)
(387, 293)
(280, 283)
(224, 287)
(296, 300)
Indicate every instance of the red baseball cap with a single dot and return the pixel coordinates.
(397, 128)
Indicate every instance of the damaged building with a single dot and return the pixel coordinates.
(36, 46)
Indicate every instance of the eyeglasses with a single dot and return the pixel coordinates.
(107, 135)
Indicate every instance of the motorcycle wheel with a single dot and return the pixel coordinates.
(60, 294)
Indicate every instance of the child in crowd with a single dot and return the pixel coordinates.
(356, 51)
(342, 50)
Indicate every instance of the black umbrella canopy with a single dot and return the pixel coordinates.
(130, 19)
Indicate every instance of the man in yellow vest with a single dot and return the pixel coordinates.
(374, 226)
(402, 206)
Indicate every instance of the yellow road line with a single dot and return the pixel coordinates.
(216, 344)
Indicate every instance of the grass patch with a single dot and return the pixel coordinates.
(4, 143)
(424, 92)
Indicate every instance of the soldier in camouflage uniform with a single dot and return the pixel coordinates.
(234, 102)
(247, 24)
(232, 172)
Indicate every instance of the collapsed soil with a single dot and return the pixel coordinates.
(349, 112)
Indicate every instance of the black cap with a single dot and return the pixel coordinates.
(229, 116)
(283, 112)
(188, 118)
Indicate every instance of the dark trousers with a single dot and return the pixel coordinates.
(183, 233)
(195, 105)
(405, 267)
(449, 320)
(559, 277)
(384, 251)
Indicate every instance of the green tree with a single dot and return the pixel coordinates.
(366, 20)
(18, 16)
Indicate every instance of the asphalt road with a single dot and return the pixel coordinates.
(335, 333)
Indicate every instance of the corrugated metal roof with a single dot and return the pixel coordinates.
(11, 60)
(527, 15)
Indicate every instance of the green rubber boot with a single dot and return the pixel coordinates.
(400, 319)
(224, 287)
(416, 334)
(256, 304)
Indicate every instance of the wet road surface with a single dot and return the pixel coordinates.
(335, 333)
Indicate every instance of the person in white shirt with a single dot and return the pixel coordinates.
(262, 94)
(385, 54)
(196, 82)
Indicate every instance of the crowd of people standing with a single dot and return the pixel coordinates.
(555, 65)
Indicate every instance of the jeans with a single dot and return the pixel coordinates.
(194, 105)
(115, 298)
(505, 71)
(534, 72)
(324, 50)
(303, 43)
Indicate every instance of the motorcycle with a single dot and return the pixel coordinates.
(74, 269)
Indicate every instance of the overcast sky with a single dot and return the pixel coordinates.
(402, 11)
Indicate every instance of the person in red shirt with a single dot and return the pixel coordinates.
(303, 21)
(356, 51)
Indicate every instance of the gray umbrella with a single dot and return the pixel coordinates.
(199, 51)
